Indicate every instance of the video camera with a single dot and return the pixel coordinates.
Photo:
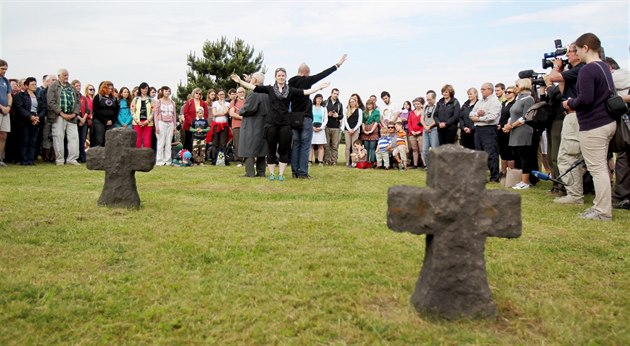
(536, 77)
(548, 58)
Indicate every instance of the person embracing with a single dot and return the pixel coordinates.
(277, 127)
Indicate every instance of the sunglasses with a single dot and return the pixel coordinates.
(390, 127)
(509, 92)
(91, 89)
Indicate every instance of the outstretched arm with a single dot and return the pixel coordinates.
(315, 89)
(243, 83)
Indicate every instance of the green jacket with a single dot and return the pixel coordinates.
(53, 97)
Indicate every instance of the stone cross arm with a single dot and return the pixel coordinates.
(493, 213)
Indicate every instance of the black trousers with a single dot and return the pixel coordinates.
(447, 135)
(279, 144)
(486, 140)
(622, 177)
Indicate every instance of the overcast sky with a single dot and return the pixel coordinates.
(405, 47)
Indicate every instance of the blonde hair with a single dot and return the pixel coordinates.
(524, 84)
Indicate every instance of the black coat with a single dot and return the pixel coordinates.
(22, 107)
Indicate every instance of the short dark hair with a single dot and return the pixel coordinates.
(333, 90)
(385, 93)
(431, 91)
(231, 91)
(3, 63)
(612, 63)
(44, 77)
(28, 81)
(500, 85)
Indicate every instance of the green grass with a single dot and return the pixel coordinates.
(212, 258)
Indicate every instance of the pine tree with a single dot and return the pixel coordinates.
(220, 59)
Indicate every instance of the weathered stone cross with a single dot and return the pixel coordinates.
(457, 214)
(120, 159)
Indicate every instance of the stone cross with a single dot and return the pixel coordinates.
(456, 213)
(120, 159)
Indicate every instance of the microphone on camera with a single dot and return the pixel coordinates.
(543, 176)
(526, 74)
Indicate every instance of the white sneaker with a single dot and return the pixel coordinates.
(521, 186)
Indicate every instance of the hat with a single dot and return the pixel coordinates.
(199, 109)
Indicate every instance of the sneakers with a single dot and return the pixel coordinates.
(568, 200)
(2, 164)
(281, 178)
(271, 177)
(73, 163)
(592, 214)
(625, 204)
(522, 186)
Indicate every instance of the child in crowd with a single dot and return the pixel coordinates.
(176, 143)
(382, 149)
(359, 155)
(400, 150)
(199, 128)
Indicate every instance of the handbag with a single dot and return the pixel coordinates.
(621, 139)
(513, 177)
(296, 120)
(614, 104)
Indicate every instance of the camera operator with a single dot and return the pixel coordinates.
(569, 148)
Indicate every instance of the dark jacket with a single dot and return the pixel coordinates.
(464, 118)
(447, 112)
(334, 123)
(252, 141)
(22, 107)
(304, 103)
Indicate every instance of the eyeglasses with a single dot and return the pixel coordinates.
(509, 92)
(390, 127)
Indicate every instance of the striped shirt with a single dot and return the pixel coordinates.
(383, 142)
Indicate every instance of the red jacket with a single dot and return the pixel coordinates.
(190, 113)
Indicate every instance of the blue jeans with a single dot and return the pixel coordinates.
(301, 148)
(29, 140)
(370, 146)
(429, 140)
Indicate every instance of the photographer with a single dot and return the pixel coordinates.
(569, 149)
(597, 125)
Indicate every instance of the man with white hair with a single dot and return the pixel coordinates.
(63, 107)
(485, 116)
(303, 137)
(252, 144)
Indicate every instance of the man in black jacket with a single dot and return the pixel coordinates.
(302, 138)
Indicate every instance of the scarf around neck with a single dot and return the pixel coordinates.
(281, 94)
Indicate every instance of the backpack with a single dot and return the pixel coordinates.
(539, 115)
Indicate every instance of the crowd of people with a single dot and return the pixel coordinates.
(279, 125)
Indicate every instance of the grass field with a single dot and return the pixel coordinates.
(213, 258)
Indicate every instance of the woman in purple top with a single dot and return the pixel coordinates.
(597, 126)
